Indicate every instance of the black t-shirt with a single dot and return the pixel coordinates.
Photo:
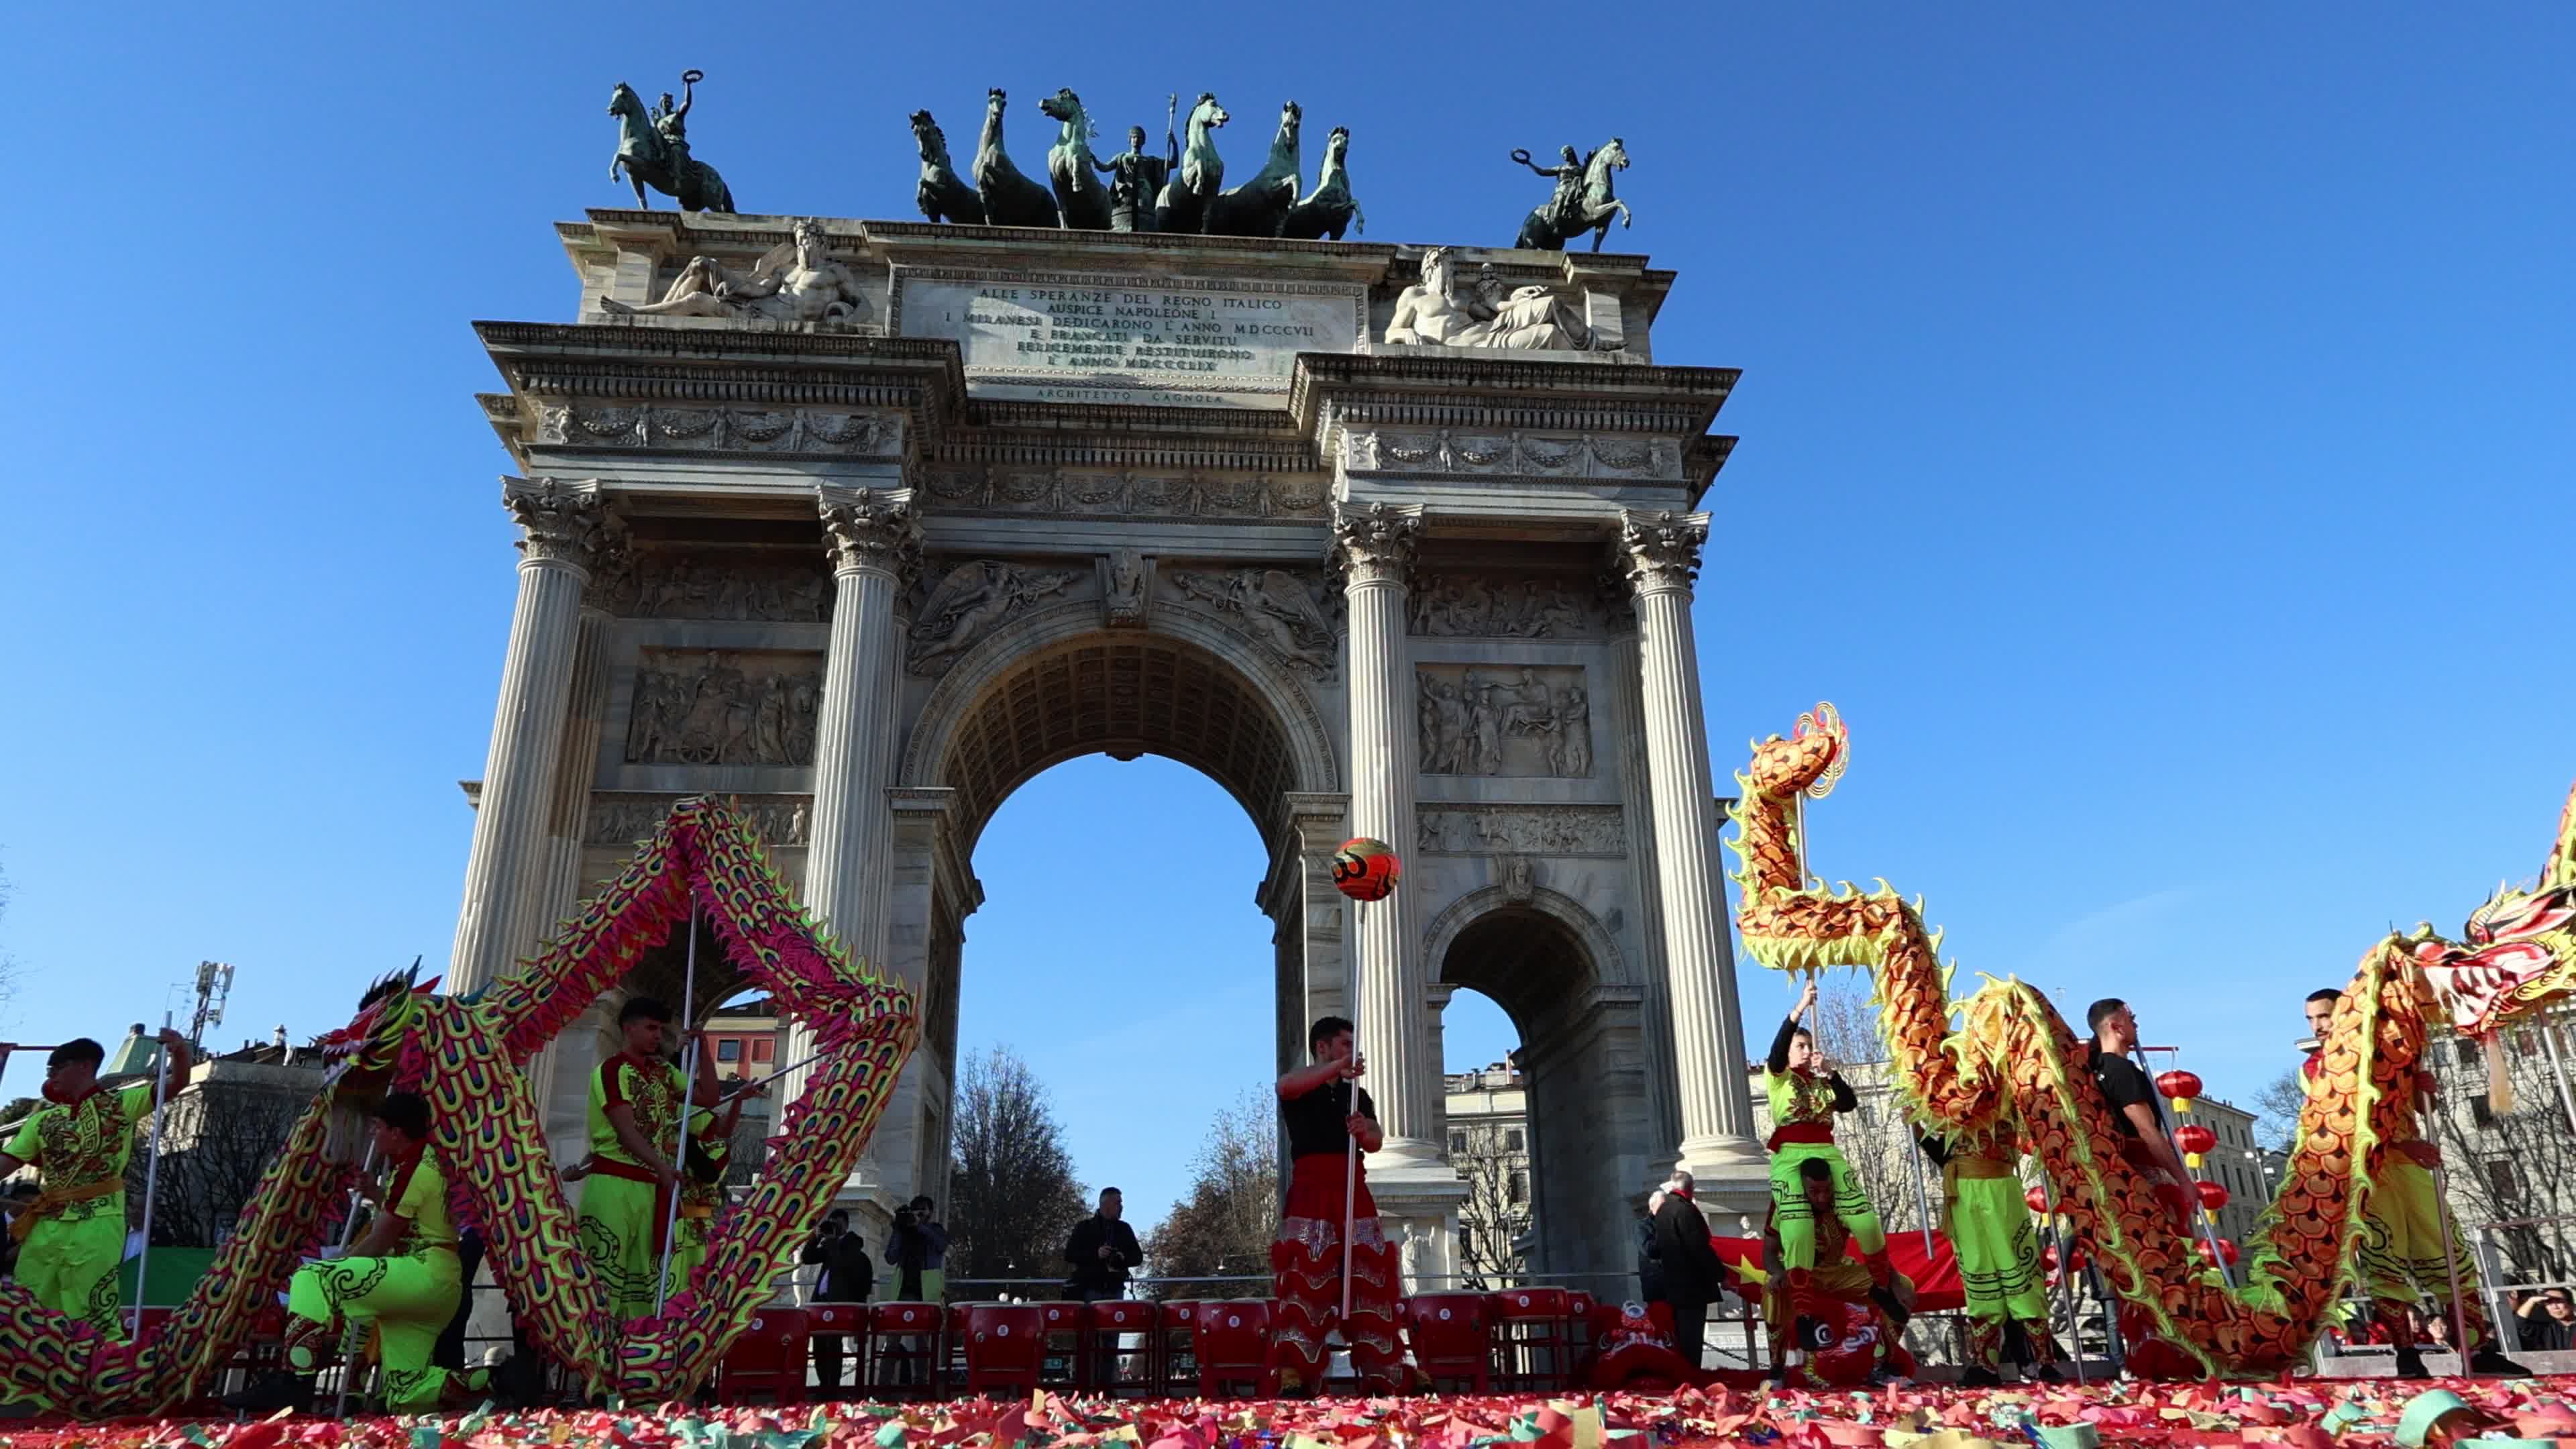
(2122, 1085)
(1315, 1120)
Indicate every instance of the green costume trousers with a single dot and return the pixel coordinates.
(618, 1232)
(70, 1265)
(409, 1300)
(1796, 1222)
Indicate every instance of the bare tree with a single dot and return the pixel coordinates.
(1013, 1196)
(2277, 1109)
(1495, 1216)
(1224, 1227)
(218, 1140)
(1876, 1140)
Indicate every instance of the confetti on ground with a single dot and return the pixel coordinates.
(2297, 1413)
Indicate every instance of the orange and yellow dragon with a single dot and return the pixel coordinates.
(2011, 1056)
(465, 1054)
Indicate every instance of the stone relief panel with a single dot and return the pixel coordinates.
(724, 707)
(971, 601)
(1520, 830)
(722, 584)
(622, 818)
(1512, 607)
(1528, 455)
(1064, 492)
(728, 430)
(1126, 588)
(1523, 720)
(1291, 615)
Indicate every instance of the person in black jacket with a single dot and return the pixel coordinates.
(1102, 1250)
(1693, 1275)
(848, 1274)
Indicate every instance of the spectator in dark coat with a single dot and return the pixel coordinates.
(848, 1275)
(1694, 1276)
(1101, 1251)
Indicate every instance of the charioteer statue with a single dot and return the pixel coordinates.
(653, 149)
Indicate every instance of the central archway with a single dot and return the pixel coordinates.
(1056, 685)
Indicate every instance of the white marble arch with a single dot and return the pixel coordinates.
(1578, 1004)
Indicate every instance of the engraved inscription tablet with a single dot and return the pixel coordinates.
(1055, 337)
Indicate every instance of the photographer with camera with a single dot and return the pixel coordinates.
(1101, 1251)
(848, 1274)
(919, 1249)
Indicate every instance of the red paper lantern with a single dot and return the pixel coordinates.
(2178, 1083)
(2048, 1258)
(2037, 1197)
(2212, 1196)
(2226, 1249)
(2192, 1137)
(1366, 870)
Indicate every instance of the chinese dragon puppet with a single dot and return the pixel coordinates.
(465, 1053)
(2012, 1057)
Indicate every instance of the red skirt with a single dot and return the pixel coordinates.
(1306, 1274)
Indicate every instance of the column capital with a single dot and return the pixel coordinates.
(869, 528)
(1374, 542)
(1660, 549)
(560, 522)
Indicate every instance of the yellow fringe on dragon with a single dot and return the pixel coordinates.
(466, 1054)
(2013, 1057)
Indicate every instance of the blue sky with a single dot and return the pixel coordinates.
(2154, 426)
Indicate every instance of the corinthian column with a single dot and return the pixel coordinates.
(1375, 545)
(1661, 554)
(566, 530)
(874, 540)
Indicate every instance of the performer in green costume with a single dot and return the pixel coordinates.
(702, 1193)
(401, 1277)
(1989, 1225)
(1805, 1094)
(73, 1238)
(635, 1105)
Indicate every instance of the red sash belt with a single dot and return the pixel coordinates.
(1809, 1133)
(661, 1235)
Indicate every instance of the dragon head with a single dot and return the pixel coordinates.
(372, 1042)
(1810, 759)
(2518, 951)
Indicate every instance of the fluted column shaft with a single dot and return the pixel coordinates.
(874, 539)
(1376, 544)
(1662, 558)
(566, 528)
(556, 888)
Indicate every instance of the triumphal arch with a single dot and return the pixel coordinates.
(866, 523)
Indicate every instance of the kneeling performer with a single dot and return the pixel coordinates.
(1795, 1305)
(1323, 1110)
(402, 1276)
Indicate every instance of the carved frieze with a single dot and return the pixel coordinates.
(720, 430)
(622, 817)
(1524, 606)
(1520, 830)
(724, 707)
(1290, 615)
(1516, 454)
(971, 602)
(736, 584)
(1072, 493)
(1526, 720)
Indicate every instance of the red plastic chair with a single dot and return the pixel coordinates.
(1450, 1340)
(1232, 1341)
(952, 1362)
(1533, 1344)
(1176, 1333)
(769, 1358)
(910, 1348)
(1068, 1337)
(1112, 1320)
(1006, 1346)
(1578, 1326)
(847, 1324)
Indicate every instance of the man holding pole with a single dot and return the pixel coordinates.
(72, 1239)
(1325, 1113)
(2407, 1252)
(627, 1205)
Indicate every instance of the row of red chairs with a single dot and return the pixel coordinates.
(1522, 1340)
